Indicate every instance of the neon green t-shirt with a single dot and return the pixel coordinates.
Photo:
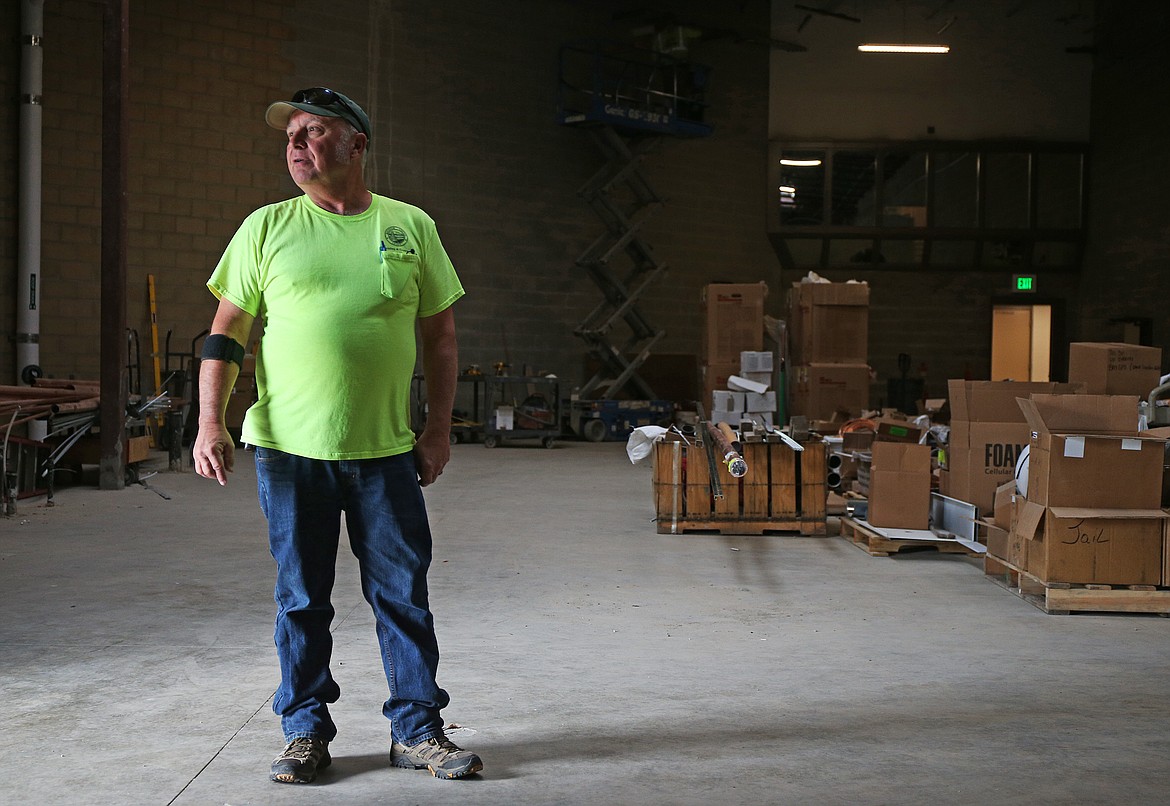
(338, 297)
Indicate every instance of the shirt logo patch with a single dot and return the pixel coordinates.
(395, 236)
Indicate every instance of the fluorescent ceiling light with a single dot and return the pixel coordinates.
(903, 48)
(800, 163)
(787, 189)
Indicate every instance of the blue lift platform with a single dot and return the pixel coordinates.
(610, 84)
(628, 100)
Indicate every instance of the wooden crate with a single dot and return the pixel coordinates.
(784, 490)
(88, 450)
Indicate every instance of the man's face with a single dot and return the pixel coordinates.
(320, 149)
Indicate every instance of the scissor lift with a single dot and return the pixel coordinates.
(627, 100)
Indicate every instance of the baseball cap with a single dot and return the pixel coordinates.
(320, 101)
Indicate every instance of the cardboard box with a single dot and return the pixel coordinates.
(733, 321)
(1110, 368)
(829, 323)
(997, 529)
(893, 429)
(243, 394)
(936, 408)
(239, 401)
(899, 485)
(1166, 553)
(1163, 432)
(988, 433)
(995, 401)
(88, 450)
(857, 440)
(1017, 541)
(713, 377)
(1085, 452)
(1005, 499)
(819, 391)
(980, 457)
(1088, 545)
(996, 540)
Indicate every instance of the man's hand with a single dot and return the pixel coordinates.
(440, 366)
(431, 454)
(214, 452)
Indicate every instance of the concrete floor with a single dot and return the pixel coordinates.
(589, 659)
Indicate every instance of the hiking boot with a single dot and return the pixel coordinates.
(299, 762)
(439, 755)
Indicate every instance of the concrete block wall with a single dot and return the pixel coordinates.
(473, 140)
(71, 187)
(1127, 263)
(10, 57)
(462, 96)
(1007, 78)
(942, 320)
(197, 166)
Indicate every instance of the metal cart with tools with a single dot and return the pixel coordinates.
(465, 424)
(520, 407)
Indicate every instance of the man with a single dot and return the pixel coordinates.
(339, 277)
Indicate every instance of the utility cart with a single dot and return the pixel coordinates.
(520, 407)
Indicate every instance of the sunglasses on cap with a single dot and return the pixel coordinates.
(323, 96)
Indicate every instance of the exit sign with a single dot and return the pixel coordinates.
(1024, 283)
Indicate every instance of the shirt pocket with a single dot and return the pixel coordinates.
(399, 272)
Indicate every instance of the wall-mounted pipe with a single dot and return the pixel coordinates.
(28, 259)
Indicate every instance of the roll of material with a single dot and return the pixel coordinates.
(1022, 462)
(736, 466)
(728, 434)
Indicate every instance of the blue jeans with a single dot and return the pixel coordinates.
(386, 519)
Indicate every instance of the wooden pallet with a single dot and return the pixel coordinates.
(1062, 598)
(876, 544)
(738, 526)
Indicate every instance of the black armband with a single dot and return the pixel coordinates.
(218, 347)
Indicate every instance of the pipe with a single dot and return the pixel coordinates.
(28, 261)
(736, 466)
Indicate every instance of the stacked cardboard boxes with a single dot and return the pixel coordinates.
(828, 326)
(988, 433)
(1091, 513)
(733, 323)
